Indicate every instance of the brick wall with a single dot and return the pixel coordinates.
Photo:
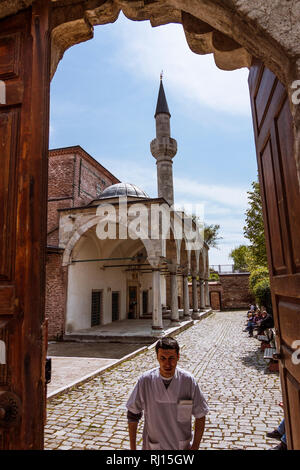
(56, 288)
(74, 180)
(234, 290)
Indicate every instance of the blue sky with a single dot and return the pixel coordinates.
(103, 97)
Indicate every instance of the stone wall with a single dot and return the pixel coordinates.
(234, 292)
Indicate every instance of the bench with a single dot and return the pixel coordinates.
(262, 338)
(273, 365)
(268, 353)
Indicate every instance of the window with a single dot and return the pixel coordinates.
(96, 309)
(98, 189)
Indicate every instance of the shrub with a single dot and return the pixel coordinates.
(257, 275)
(262, 294)
(214, 277)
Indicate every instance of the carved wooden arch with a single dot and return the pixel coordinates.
(210, 27)
(233, 32)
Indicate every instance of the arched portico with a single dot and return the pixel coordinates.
(108, 269)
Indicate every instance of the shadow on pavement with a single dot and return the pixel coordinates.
(97, 350)
(255, 359)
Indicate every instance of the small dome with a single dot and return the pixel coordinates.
(123, 189)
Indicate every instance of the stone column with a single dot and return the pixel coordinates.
(181, 313)
(195, 295)
(186, 297)
(174, 300)
(207, 302)
(157, 323)
(202, 295)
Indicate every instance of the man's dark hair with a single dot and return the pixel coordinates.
(167, 343)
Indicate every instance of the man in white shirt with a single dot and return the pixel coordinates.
(168, 396)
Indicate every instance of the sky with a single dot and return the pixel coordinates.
(103, 98)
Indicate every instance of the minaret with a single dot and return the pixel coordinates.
(163, 148)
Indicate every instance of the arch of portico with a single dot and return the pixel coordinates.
(126, 276)
(107, 266)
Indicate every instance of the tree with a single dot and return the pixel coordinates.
(211, 235)
(262, 292)
(257, 275)
(254, 227)
(239, 256)
(210, 232)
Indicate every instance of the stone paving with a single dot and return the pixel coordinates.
(243, 397)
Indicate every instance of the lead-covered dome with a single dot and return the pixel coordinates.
(123, 189)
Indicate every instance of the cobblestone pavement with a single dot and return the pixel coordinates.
(231, 371)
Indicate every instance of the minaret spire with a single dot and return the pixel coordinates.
(162, 105)
(163, 148)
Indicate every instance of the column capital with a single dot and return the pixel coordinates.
(155, 262)
(172, 268)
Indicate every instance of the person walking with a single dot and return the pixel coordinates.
(169, 397)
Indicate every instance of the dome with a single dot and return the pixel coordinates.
(123, 189)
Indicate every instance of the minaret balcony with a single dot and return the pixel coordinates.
(163, 147)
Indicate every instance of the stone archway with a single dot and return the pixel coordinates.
(234, 32)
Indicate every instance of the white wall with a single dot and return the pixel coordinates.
(88, 276)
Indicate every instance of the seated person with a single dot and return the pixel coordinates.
(265, 323)
(250, 324)
(279, 434)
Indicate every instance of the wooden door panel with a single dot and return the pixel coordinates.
(289, 321)
(273, 128)
(24, 71)
(264, 96)
(9, 122)
(10, 45)
(284, 135)
(273, 214)
(293, 396)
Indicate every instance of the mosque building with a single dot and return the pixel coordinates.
(95, 279)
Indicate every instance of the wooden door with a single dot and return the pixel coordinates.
(273, 127)
(115, 306)
(215, 300)
(24, 75)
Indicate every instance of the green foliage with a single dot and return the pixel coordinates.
(259, 274)
(210, 232)
(254, 227)
(240, 259)
(211, 235)
(213, 276)
(256, 257)
(262, 294)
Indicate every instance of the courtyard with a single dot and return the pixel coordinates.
(242, 395)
